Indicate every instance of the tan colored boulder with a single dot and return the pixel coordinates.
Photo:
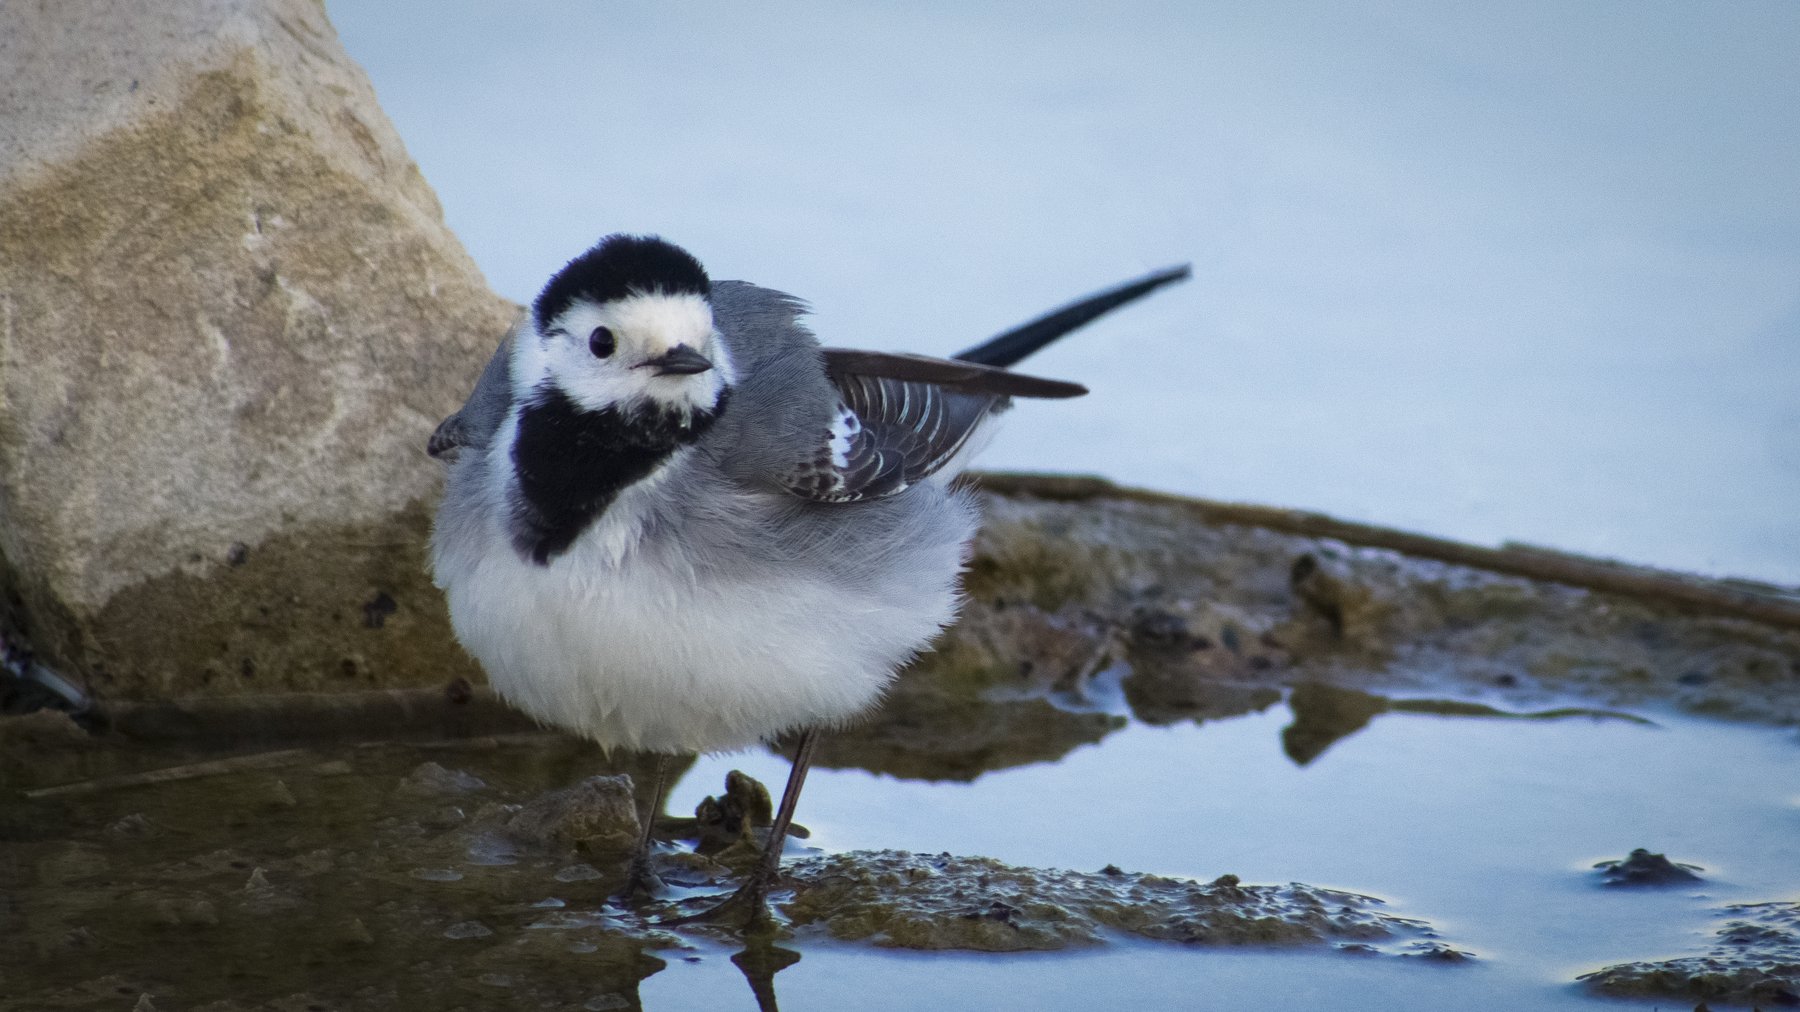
(230, 315)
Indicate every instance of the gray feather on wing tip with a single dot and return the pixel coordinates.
(479, 418)
(446, 439)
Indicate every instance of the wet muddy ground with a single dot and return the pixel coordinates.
(1107, 786)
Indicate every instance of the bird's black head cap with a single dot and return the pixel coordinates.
(620, 265)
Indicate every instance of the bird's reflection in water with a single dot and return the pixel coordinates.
(760, 960)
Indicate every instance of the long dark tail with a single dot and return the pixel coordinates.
(1022, 340)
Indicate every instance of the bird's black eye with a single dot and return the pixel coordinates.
(601, 342)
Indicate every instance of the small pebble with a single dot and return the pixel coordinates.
(132, 826)
(277, 795)
(429, 778)
(354, 932)
(1643, 868)
(468, 929)
(1437, 952)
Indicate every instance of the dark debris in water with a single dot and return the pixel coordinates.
(1643, 868)
(1436, 952)
(1754, 960)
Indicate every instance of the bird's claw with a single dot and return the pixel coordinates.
(641, 882)
(746, 909)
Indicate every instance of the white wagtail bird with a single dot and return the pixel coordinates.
(674, 523)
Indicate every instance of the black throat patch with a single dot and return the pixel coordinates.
(572, 463)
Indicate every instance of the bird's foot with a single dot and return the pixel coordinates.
(641, 882)
(747, 909)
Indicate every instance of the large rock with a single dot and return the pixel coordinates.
(230, 314)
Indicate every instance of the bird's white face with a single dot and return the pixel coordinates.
(639, 351)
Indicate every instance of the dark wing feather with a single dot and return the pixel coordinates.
(1026, 338)
(451, 435)
(968, 377)
(901, 418)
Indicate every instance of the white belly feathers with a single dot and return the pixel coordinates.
(623, 643)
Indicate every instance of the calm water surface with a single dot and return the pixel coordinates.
(1524, 271)
(1486, 828)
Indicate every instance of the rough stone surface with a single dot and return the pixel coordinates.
(1143, 598)
(430, 778)
(230, 315)
(1755, 960)
(913, 901)
(1642, 868)
(597, 815)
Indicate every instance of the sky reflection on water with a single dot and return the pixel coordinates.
(1525, 272)
(1486, 828)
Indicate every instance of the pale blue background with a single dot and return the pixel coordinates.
(1524, 270)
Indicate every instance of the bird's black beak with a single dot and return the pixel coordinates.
(680, 360)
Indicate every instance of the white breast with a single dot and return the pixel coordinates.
(621, 641)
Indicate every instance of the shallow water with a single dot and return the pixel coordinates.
(1485, 828)
(1526, 271)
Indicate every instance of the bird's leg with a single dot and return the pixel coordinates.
(768, 868)
(641, 879)
(760, 961)
(750, 898)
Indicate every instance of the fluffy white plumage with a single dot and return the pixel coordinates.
(624, 643)
(636, 637)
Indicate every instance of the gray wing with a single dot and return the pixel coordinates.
(480, 417)
(900, 418)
